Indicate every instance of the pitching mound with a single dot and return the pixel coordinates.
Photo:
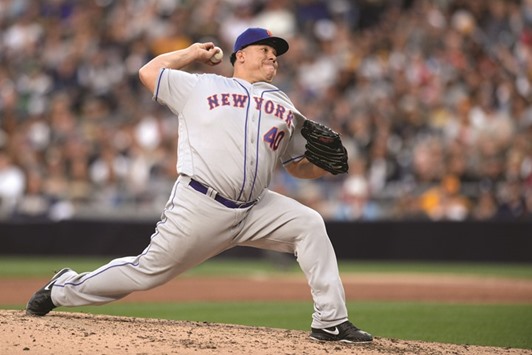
(77, 333)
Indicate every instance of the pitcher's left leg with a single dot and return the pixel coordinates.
(283, 224)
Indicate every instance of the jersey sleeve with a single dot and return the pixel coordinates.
(296, 148)
(173, 88)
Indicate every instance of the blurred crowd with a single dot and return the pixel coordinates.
(433, 99)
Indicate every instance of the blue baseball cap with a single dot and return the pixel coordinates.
(256, 35)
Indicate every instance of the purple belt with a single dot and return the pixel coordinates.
(198, 186)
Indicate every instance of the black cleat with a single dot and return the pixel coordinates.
(41, 301)
(345, 332)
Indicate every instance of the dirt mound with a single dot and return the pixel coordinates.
(77, 333)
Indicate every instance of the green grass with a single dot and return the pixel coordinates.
(490, 325)
(507, 270)
(43, 267)
(481, 324)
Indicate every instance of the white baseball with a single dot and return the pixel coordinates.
(218, 56)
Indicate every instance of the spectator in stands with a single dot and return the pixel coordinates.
(34, 204)
(485, 207)
(355, 201)
(512, 201)
(445, 201)
(12, 184)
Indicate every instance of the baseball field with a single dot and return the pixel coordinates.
(263, 307)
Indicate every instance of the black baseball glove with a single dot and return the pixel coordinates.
(324, 147)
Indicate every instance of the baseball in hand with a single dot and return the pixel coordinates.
(218, 56)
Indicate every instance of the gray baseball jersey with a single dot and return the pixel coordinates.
(231, 133)
(231, 136)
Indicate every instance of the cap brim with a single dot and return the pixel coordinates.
(280, 45)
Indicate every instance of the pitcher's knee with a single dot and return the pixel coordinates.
(311, 221)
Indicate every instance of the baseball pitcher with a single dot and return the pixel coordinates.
(232, 132)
